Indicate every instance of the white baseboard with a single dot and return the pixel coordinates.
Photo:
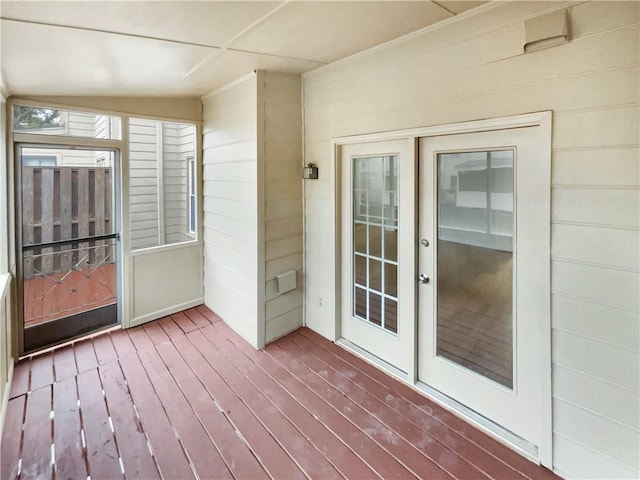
(164, 312)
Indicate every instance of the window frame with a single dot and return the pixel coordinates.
(192, 197)
(160, 124)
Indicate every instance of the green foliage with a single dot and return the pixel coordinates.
(33, 117)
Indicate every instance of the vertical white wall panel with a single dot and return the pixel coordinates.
(253, 203)
(282, 102)
(474, 68)
(230, 205)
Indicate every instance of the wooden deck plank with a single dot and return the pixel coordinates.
(436, 429)
(166, 449)
(296, 445)
(183, 322)
(232, 448)
(21, 374)
(102, 454)
(404, 452)
(271, 454)
(491, 446)
(105, 352)
(64, 363)
(170, 327)
(208, 313)
(41, 371)
(140, 339)
(197, 318)
(155, 332)
(85, 355)
(340, 378)
(122, 343)
(12, 437)
(36, 444)
(337, 452)
(386, 438)
(334, 418)
(132, 442)
(204, 456)
(69, 454)
(45, 300)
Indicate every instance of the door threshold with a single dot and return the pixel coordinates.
(495, 431)
(71, 341)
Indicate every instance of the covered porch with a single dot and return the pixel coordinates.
(186, 397)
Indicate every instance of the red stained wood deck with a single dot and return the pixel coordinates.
(58, 295)
(185, 397)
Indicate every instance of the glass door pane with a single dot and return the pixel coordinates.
(375, 239)
(475, 262)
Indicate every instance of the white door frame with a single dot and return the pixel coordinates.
(542, 120)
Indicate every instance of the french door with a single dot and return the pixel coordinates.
(377, 244)
(69, 234)
(484, 246)
(445, 267)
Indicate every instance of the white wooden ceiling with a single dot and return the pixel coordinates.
(189, 48)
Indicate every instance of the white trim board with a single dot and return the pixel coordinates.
(164, 312)
(534, 119)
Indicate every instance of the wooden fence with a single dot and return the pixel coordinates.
(62, 203)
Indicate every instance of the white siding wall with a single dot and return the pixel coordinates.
(81, 125)
(230, 205)
(66, 158)
(177, 226)
(282, 103)
(146, 155)
(472, 69)
(102, 126)
(175, 181)
(253, 204)
(143, 182)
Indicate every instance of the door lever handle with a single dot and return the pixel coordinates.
(422, 278)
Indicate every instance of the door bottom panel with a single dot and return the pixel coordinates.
(64, 329)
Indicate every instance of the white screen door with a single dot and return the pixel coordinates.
(378, 265)
(484, 240)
